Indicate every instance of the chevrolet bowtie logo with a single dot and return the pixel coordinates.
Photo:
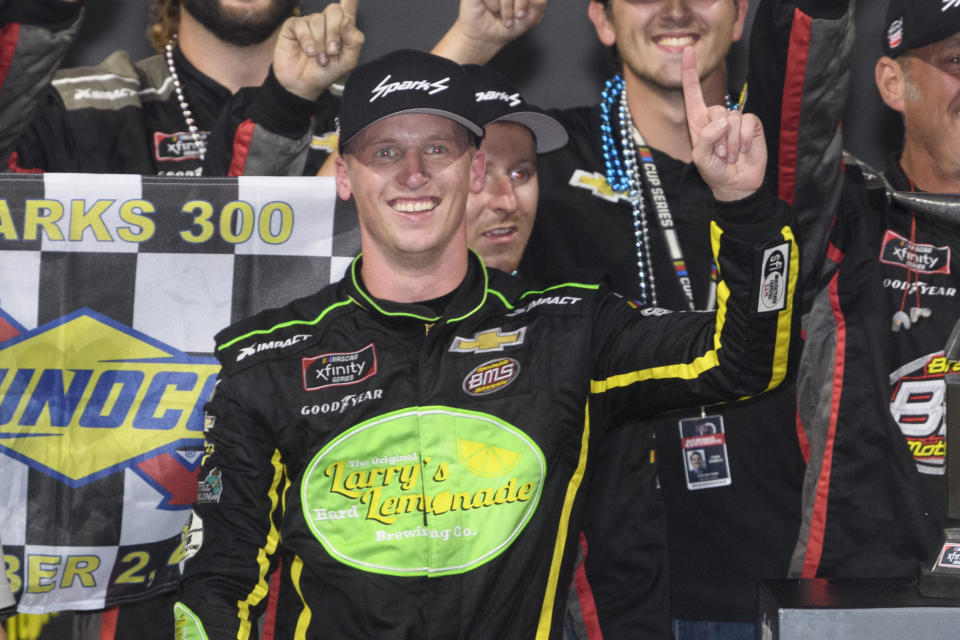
(596, 183)
(492, 340)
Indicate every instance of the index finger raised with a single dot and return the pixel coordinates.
(693, 101)
(349, 8)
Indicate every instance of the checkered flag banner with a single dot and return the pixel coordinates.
(111, 290)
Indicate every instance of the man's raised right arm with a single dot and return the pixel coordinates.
(484, 27)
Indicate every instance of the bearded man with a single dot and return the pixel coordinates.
(154, 116)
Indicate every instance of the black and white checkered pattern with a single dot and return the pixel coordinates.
(93, 305)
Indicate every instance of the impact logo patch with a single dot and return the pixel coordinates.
(175, 147)
(922, 258)
(491, 376)
(405, 494)
(87, 383)
(336, 369)
(487, 341)
(773, 279)
(270, 345)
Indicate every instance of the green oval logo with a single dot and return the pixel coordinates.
(425, 491)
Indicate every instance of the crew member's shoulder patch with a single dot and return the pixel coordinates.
(772, 295)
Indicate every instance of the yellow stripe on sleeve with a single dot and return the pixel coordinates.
(261, 589)
(303, 621)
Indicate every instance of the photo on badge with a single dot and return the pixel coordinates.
(704, 447)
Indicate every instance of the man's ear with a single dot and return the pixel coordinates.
(478, 172)
(741, 19)
(891, 82)
(598, 16)
(343, 180)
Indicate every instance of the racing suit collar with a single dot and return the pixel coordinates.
(468, 297)
(895, 174)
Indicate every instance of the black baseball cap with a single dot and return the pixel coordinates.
(406, 81)
(912, 24)
(499, 101)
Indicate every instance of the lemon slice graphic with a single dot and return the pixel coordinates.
(486, 460)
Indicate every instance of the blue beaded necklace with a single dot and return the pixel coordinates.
(623, 176)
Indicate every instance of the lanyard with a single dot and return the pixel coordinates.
(650, 177)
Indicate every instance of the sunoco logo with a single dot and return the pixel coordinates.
(334, 369)
(87, 383)
(491, 376)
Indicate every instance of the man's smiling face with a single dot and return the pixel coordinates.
(650, 35)
(410, 175)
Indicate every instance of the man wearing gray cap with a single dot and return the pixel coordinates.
(501, 216)
(410, 443)
(871, 384)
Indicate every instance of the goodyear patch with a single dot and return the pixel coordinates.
(85, 383)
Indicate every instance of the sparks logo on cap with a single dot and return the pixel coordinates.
(87, 383)
(895, 32)
(337, 369)
(487, 96)
(386, 88)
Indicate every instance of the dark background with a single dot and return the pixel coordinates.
(559, 63)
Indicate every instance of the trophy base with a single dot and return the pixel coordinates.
(942, 579)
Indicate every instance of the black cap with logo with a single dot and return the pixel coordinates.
(499, 101)
(406, 81)
(912, 24)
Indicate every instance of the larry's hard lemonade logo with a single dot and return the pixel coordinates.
(428, 491)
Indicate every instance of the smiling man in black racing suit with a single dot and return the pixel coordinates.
(412, 441)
